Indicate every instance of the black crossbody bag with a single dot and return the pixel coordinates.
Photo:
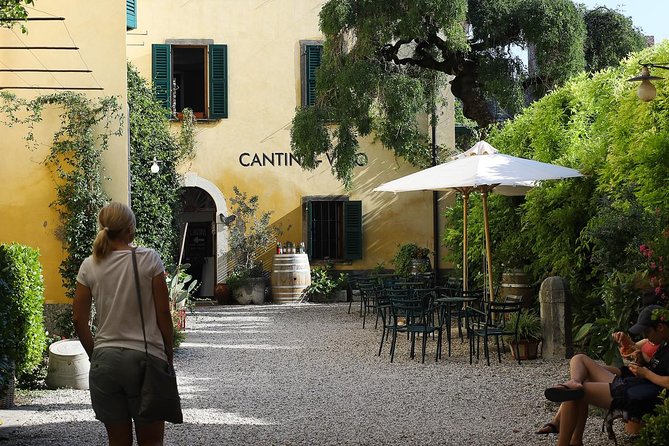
(159, 395)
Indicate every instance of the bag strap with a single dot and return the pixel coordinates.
(139, 298)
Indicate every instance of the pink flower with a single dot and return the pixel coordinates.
(658, 290)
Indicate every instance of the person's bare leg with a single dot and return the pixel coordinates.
(555, 421)
(119, 434)
(568, 420)
(575, 413)
(582, 369)
(151, 434)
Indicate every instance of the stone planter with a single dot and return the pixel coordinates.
(253, 292)
(526, 349)
(419, 266)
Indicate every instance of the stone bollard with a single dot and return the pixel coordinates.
(555, 318)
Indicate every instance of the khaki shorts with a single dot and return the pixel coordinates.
(114, 380)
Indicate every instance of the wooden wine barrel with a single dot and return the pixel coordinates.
(516, 284)
(290, 276)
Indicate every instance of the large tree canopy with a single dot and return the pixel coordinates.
(383, 60)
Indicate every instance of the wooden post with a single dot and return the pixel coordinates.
(465, 263)
(486, 224)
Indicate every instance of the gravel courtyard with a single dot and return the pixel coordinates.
(308, 374)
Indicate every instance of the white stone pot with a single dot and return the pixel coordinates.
(253, 292)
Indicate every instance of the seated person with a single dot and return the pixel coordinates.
(640, 352)
(591, 383)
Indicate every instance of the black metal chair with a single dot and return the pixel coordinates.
(496, 320)
(417, 310)
(384, 311)
(368, 296)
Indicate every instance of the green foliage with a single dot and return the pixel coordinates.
(75, 159)
(181, 286)
(529, 325)
(655, 430)
(611, 37)
(250, 236)
(323, 283)
(385, 61)
(585, 230)
(34, 378)
(16, 11)
(155, 198)
(404, 256)
(22, 336)
(6, 374)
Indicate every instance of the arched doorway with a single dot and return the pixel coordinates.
(204, 233)
(198, 234)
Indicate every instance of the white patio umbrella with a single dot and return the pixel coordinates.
(481, 168)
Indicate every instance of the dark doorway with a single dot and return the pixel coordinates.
(199, 238)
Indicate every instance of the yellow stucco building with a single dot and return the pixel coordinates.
(243, 67)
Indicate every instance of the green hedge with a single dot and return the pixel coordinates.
(22, 336)
(588, 230)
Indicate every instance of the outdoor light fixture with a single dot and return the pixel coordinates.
(646, 91)
(155, 168)
(227, 221)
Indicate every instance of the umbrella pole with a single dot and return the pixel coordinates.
(486, 224)
(465, 268)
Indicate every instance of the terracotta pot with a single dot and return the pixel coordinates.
(223, 294)
(181, 319)
(526, 349)
(633, 427)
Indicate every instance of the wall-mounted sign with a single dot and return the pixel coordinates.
(286, 159)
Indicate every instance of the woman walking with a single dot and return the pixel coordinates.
(107, 278)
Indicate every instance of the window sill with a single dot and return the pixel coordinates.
(199, 120)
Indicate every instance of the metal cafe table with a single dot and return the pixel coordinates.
(461, 302)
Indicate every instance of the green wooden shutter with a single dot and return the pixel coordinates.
(312, 62)
(162, 74)
(352, 230)
(131, 14)
(310, 233)
(218, 81)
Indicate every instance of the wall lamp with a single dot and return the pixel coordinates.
(155, 168)
(646, 91)
(227, 221)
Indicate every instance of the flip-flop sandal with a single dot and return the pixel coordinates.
(562, 393)
(548, 428)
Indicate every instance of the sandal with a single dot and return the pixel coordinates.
(561, 393)
(548, 428)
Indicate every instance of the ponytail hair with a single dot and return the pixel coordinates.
(113, 219)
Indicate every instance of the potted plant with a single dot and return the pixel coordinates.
(326, 288)
(181, 287)
(250, 235)
(411, 259)
(529, 335)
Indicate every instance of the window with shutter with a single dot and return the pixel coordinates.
(218, 81)
(130, 14)
(162, 74)
(191, 76)
(311, 54)
(333, 229)
(352, 230)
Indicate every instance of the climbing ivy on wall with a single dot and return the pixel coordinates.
(75, 160)
(155, 197)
